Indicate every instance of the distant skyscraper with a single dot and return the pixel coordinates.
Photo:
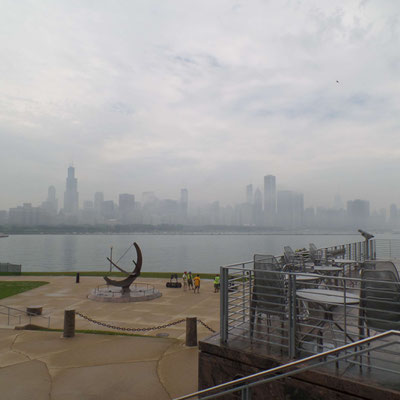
(51, 194)
(258, 219)
(108, 209)
(269, 199)
(98, 200)
(148, 197)
(51, 204)
(393, 215)
(126, 202)
(285, 208)
(337, 202)
(71, 196)
(290, 209)
(126, 206)
(184, 203)
(88, 205)
(358, 212)
(249, 194)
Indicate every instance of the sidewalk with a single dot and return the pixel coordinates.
(174, 304)
(43, 365)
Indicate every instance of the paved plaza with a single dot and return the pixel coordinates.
(43, 365)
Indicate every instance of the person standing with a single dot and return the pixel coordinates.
(185, 280)
(190, 280)
(196, 284)
(216, 284)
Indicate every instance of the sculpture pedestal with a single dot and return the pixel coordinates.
(113, 294)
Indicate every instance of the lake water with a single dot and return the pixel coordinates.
(165, 253)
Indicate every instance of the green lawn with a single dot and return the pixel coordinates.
(10, 288)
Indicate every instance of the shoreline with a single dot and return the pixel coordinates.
(151, 275)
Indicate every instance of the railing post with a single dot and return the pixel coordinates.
(245, 393)
(292, 316)
(224, 304)
(345, 310)
(243, 294)
(69, 323)
(191, 331)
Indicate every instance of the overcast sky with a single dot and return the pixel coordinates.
(207, 95)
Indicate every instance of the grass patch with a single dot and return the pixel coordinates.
(11, 288)
(162, 275)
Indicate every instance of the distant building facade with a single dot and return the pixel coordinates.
(126, 208)
(270, 199)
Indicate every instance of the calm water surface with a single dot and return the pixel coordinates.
(197, 253)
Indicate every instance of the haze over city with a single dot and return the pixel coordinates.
(209, 96)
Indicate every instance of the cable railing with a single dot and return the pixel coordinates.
(387, 343)
(294, 311)
(361, 251)
(387, 248)
(309, 303)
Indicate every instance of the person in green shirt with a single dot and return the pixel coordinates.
(190, 280)
(216, 284)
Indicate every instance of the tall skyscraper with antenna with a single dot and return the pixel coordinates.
(71, 195)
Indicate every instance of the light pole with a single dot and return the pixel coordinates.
(111, 249)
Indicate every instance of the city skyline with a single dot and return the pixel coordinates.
(210, 96)
(269, 189)
(276, 209)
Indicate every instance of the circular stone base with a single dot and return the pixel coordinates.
(113, 294)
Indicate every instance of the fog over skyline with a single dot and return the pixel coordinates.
(210, 96)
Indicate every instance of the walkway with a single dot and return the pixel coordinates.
(43, 365)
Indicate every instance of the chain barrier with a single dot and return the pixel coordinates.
(153, 328)
(206, 326)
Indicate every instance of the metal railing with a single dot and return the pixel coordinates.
(18, 314)
(295, 314)
(114, 291)
(387, 248)
(358, 251)
(287, 301)
(10, 268)
(387, 342)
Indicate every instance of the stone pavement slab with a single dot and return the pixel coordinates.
(43, 365)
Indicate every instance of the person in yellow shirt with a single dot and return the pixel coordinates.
(196, 281)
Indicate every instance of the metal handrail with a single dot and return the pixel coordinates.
(263, 375)
(22, 312)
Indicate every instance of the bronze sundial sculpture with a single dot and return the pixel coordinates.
(125, 283)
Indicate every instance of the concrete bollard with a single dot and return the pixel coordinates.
(69, 323)
(191, 331)
(77, 277)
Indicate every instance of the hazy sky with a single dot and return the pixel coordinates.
(208, 95)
